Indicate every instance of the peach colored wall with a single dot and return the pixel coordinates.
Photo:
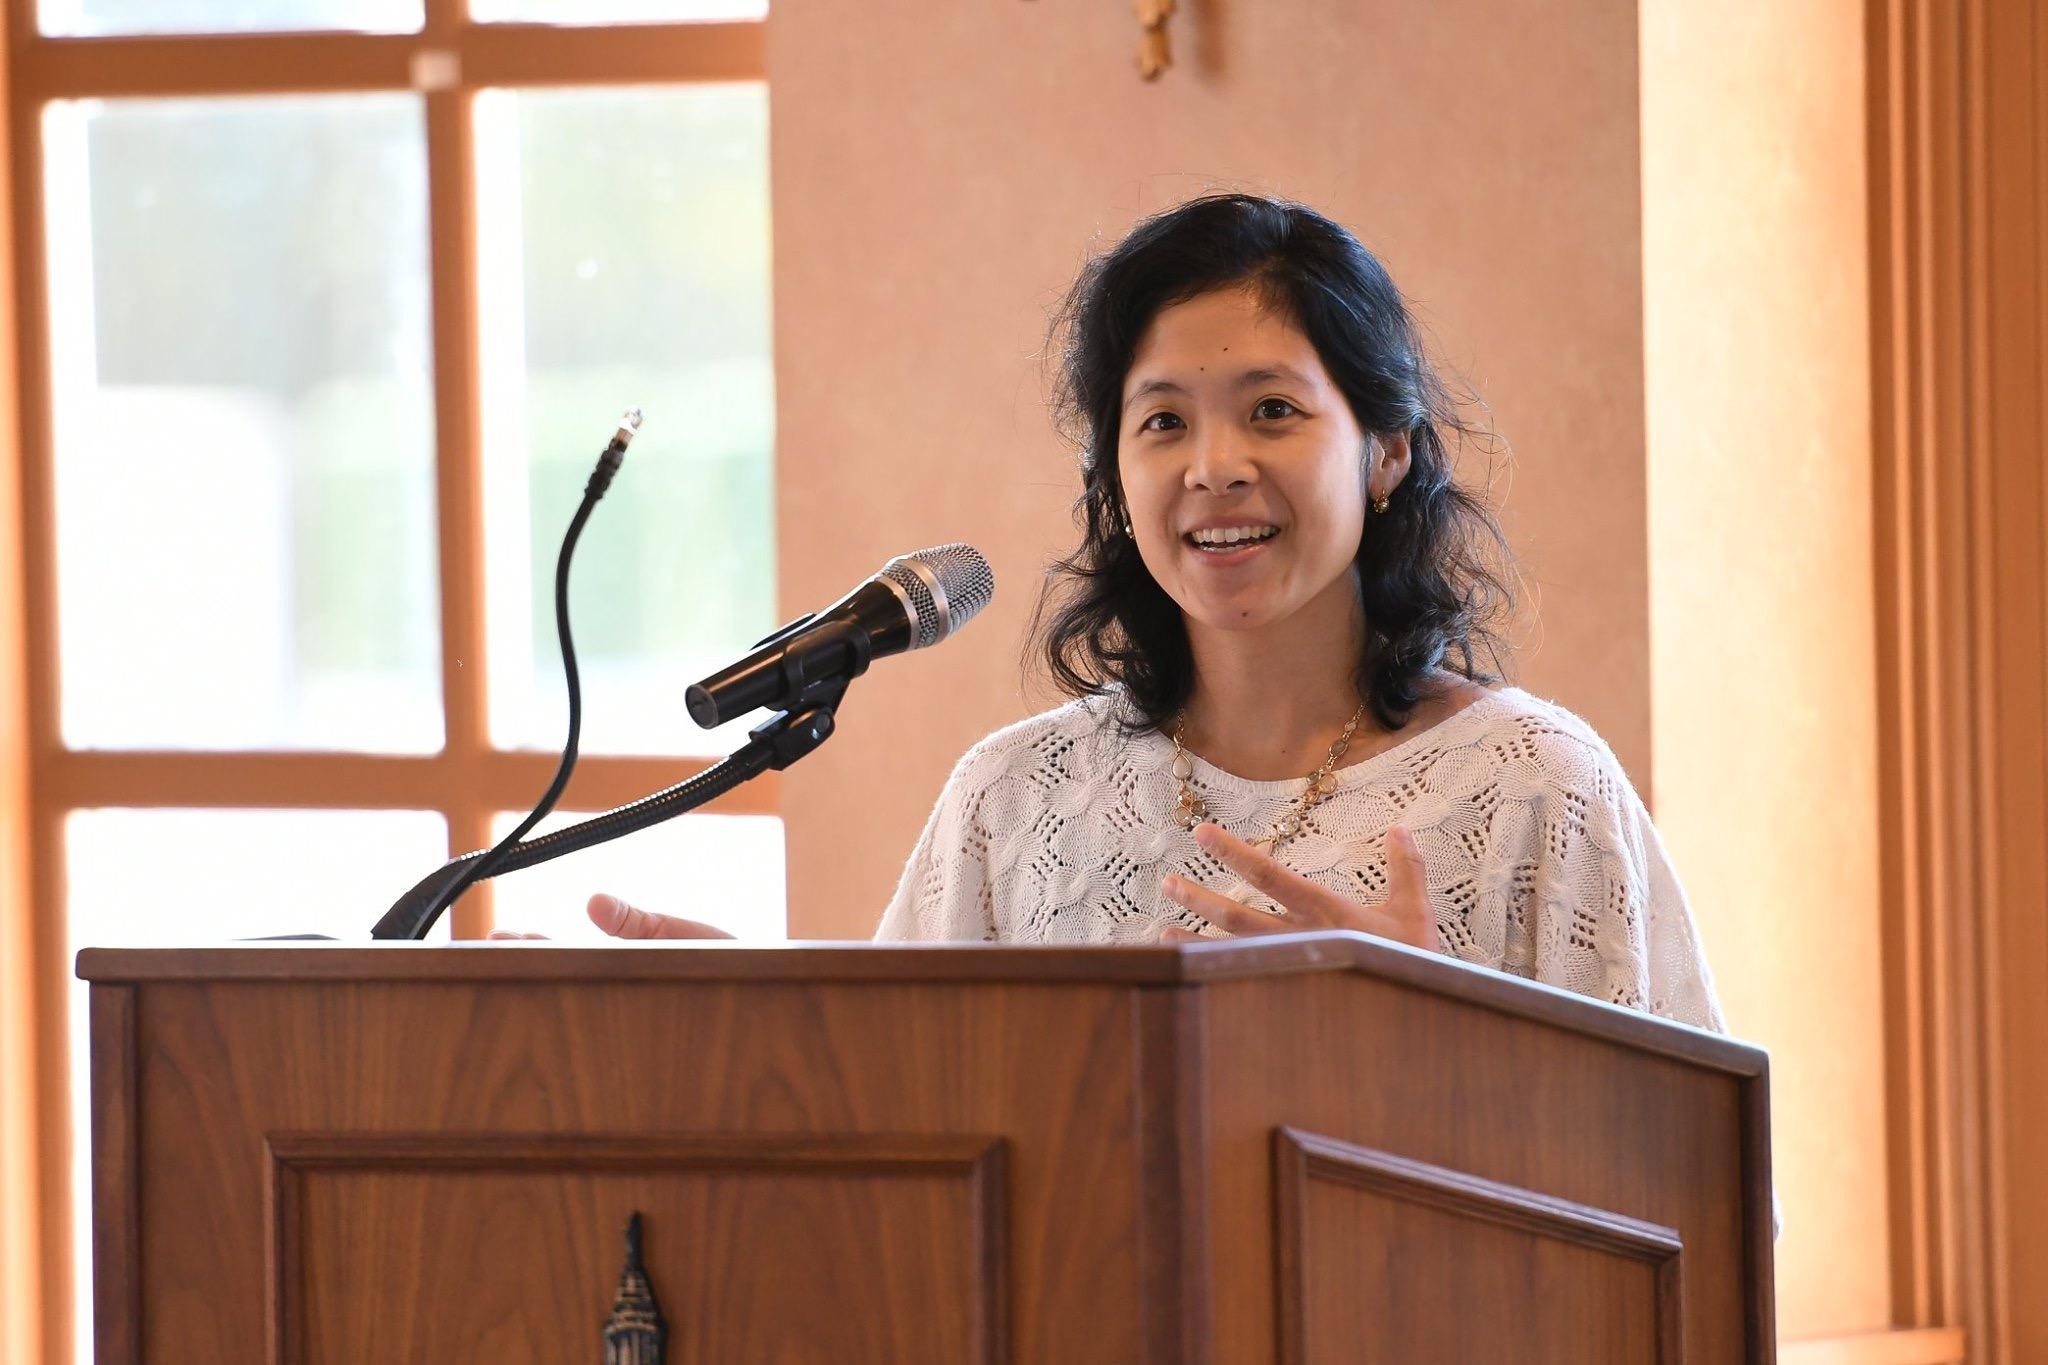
(941, 171)
(1762, 646)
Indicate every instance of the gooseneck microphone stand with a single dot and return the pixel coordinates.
(774, 744)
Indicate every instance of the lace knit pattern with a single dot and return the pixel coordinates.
(1541, 858)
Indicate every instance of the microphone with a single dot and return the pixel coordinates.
(913, 602)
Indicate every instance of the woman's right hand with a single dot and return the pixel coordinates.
(621, 920)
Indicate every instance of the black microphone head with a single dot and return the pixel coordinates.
(946, 587)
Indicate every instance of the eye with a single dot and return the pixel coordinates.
(1273, 409)
(1165, 417)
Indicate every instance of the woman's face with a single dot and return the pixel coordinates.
(1243, 467)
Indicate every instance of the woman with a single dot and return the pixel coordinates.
(1270, 630)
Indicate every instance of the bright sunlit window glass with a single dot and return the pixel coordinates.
(623, 246)
(98, 18)
(725, 870)
(163, 878)
(614, 11)
(243, 423)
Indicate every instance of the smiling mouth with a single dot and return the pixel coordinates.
(1228, 541)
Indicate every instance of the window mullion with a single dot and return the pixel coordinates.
(445, 19)
(451, 217)
(469, 828)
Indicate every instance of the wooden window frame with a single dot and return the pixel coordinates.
(469, 781)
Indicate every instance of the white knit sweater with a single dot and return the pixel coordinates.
(1541, 858)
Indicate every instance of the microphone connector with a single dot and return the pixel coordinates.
(614, 455)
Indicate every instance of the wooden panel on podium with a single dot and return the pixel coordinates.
(1312, 1148)
(1346, 1215)
(897, 1243)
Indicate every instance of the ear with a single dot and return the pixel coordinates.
(1387, 461)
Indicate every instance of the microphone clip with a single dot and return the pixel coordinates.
(817, 665)
(790, 735)
(816, 672)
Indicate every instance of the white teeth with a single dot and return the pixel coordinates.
(1230, 535)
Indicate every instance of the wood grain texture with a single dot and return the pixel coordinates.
(1535, 1277)
(117, 1253)
(1173, 1230)
(1050, 1069)
(1758, 1273)
(1567, 1116)
(416, 1162)
(851, 1248)
(1323, 953)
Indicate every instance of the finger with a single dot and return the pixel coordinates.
(621, 920)
(1174, 933)
(1407, 874)
(1306, 902)
(1408, 890)
(1233, 917)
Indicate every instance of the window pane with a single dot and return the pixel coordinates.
(144, 877)
(726, 870)
(239, 345)
(624, 249)
(614, 11)
(91, 18)
(148, 878)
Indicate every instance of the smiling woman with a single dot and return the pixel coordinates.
(1271, 631)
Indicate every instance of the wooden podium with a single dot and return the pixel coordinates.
(1318, 1147)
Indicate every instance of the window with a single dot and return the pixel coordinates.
(327, 307)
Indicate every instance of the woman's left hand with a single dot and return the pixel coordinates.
(1403, 916)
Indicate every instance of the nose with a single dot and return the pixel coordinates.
(1217, 463)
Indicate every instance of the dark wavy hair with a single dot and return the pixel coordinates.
(1433, 569)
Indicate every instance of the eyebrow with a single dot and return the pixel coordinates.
(1265, 374)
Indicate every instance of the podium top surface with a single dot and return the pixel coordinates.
(678, 962)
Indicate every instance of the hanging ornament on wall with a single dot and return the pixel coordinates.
(1153, 54)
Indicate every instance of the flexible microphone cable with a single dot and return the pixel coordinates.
(404, 921)
(916, 600)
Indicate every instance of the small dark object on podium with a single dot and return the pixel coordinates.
(634, 1334)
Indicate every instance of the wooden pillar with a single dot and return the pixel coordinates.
(1962, 579)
